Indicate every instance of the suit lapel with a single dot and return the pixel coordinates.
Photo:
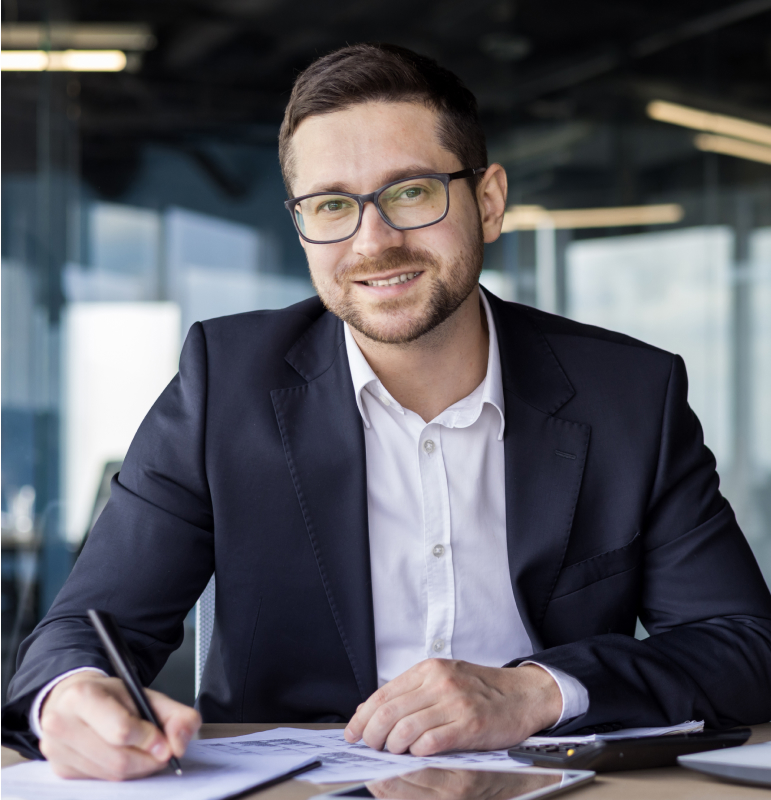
(323, 438)
(544, 458)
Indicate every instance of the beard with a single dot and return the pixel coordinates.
(450, 283)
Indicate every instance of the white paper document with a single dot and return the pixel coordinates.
(208, 774)
(341, 761)
(625, 733)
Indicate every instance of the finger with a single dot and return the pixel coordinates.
(112, 721)
(437, 740)
(180, 722)
(423, 784)
(406, 682)
(412, 726)
(84, 754)
(400, 789)
(402, 713)
(67, 772)
(66, 764)
(429, 778)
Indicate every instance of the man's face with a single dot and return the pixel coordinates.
(358, 150)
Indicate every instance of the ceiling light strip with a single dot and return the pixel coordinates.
(62, 61)
(724, 145)
(699, 120)
(534, 217)
(78, 36)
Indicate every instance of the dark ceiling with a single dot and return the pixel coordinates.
(226, 67)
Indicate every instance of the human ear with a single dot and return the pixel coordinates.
(491, 198)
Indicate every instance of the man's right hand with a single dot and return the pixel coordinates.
(91, 729)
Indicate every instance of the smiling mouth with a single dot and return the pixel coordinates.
(403, 278)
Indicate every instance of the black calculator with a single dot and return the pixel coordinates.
(611, 755)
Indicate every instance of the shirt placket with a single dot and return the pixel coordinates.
(440, 579)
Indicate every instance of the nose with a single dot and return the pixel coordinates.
(374, 236)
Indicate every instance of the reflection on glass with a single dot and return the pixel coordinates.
(462, 784)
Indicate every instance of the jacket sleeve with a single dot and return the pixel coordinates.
(147, 559)
(704, 603)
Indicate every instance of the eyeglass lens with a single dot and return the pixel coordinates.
(408, 204)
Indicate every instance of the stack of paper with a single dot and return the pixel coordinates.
(626, 733)
(208, 774)
(218, 768)
(341, 761)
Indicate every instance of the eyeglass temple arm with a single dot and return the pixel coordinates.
(466, 173)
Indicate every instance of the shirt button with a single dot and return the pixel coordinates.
(386, 401)
(428, 446)
(438, 645)
(438, 550)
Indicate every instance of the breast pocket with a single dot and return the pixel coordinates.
(595, 596)
(578, 576)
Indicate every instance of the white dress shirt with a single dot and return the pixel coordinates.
(437, 532)
(436, 499)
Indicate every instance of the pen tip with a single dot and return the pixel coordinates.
(178, 771)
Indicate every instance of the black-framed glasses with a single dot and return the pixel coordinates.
(406, 204)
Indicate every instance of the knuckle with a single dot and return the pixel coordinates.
(53, 723)
(386, 715)
(121, 732)
(86, 691)
(405, 730)
(379, 697)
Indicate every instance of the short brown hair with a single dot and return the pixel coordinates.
(362, 73)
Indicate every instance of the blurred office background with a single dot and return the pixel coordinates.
(141, 192)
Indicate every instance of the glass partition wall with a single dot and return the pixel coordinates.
(138, 201)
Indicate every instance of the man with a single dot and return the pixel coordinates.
(464, 502)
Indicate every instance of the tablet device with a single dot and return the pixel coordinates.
(439, 783)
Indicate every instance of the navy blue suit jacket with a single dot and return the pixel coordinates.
(252, 462)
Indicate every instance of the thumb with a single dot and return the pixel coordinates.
(180, 722)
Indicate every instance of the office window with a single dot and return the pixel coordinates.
(138, 202)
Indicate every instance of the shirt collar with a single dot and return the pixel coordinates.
(361, 372)
(493, 385)
(460, 414)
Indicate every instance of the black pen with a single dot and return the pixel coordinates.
(123, 663)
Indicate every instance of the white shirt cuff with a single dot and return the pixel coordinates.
(575, 698)
(34, 712)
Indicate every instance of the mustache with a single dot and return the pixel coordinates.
(396, 257)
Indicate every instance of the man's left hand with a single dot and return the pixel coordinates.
(441, 705)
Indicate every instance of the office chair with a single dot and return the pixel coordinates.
(204, 624)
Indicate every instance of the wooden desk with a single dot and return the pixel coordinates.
(672, 783)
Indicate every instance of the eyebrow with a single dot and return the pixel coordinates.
(388, 177)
